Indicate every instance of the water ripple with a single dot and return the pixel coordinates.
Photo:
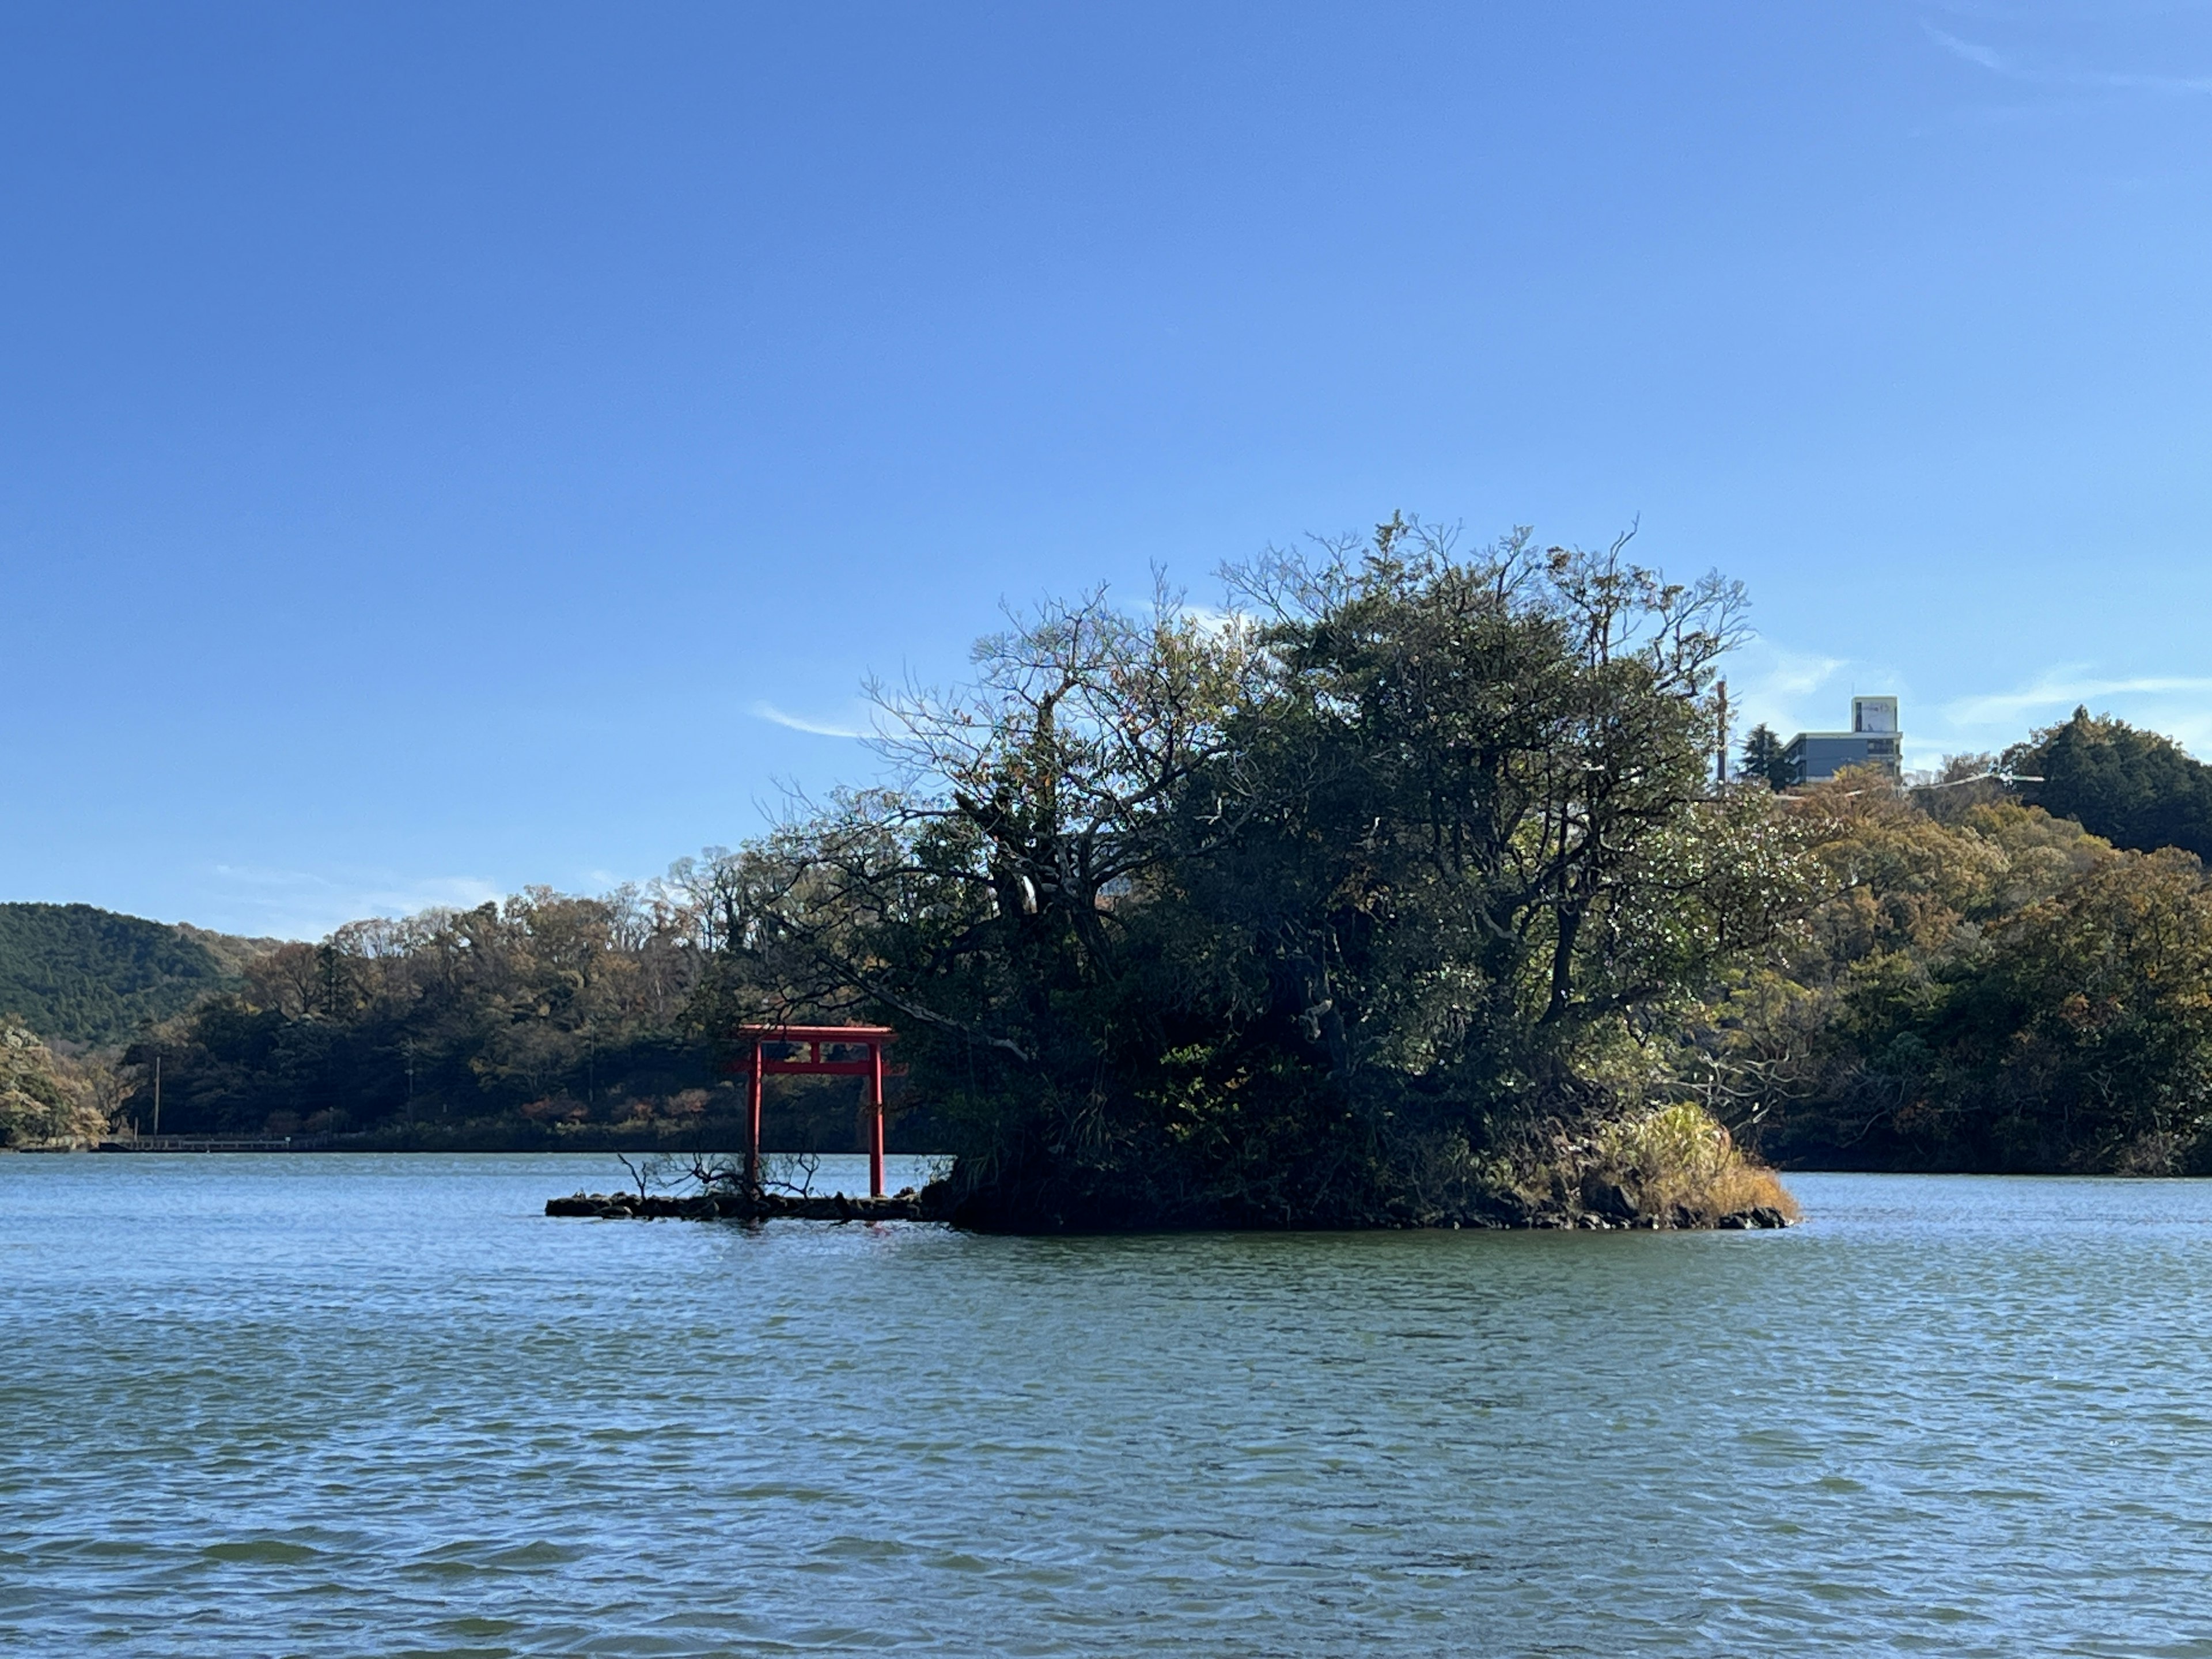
(356, 1405)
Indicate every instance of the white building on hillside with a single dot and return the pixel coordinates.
(1874, 739)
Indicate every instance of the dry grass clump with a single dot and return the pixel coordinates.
(1677, 1166)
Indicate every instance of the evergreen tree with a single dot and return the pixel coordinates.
(2135, 788)
(1762, 757)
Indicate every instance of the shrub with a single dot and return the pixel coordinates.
(1678, 1164)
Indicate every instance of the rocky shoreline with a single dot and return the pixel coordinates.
(905, 1205)
(925, 1205)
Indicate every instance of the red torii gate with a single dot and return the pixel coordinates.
(814, 1039)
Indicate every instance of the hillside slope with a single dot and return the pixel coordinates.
(76, 973)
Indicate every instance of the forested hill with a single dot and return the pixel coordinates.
(76, 973)
(2136, 788)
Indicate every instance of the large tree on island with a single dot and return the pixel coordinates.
(1321, 913)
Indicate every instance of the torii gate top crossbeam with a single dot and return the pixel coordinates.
(818, 1033)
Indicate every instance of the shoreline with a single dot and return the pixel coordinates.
(933, 1203)
(608, 1138)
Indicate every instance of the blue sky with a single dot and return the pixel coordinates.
(452, 447)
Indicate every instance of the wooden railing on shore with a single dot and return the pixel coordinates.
(200, 1144)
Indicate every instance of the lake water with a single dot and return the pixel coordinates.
(337, 1405)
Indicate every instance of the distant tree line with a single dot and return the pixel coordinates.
(2136, 789)
(2010, 968)
(542, 1006)
(1980, 986)
(523, 1023)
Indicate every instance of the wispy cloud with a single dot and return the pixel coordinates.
(1763, 670)
(2179, 706)
(1966, 49)
(769, 712)
(1773, 685)
(2147, 82)
(2056, 690)
(309, 904)
(1988, 57)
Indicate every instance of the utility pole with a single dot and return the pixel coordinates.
(157, 1094)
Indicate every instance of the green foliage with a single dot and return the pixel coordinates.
(2135, 788)
(549, 1008)
(544, 1020)
(1762, 758)
(2004, 991)
(1401, 896)
(44, 1097)
(79, 975)
(1293, 921)
(2084, 1033)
